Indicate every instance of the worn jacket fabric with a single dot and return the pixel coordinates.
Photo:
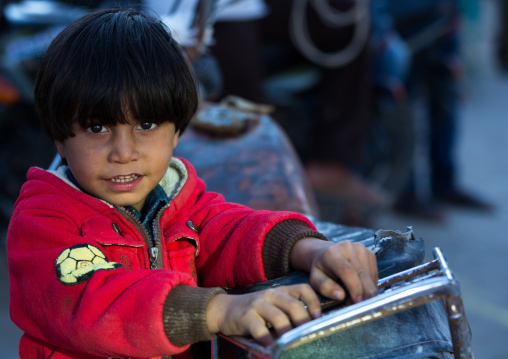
(87, 281)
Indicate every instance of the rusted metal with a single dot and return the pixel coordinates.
(408, 274)
(459, 327)
(257, 167)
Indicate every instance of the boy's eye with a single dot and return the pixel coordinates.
(96, 128)
(147, 125)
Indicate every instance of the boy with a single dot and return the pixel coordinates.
(121, 252)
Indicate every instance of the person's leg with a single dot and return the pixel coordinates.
(442, 77)
(502, 35)
(443, 113)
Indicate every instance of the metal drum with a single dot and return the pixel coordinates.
(244, 155)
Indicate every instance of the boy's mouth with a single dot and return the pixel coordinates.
(124, 179)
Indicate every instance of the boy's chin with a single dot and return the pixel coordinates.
(126, 203)
(129, 204)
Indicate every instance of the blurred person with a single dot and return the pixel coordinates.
(502, 35)
(434, 78)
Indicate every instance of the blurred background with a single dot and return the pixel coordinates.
(396, 110)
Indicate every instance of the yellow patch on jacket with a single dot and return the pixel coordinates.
(78, 263)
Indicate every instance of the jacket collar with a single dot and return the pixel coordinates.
(171, 184)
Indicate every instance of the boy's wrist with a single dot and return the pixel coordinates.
(217, 306)
(304, 251)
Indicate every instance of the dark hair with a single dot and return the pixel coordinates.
(111, 61)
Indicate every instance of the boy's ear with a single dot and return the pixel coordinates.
(175, 139)
(60, 149)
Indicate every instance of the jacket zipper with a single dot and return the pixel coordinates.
(154, 244)
(155, 260)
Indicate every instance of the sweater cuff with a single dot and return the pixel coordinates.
(184, 314)
(279, 242)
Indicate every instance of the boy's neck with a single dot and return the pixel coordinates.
(155, 200)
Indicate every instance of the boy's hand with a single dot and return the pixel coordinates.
(249, 314)
(327, 262)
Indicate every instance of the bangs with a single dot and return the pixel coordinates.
(118, 64)
(116, 108)
(137, 73)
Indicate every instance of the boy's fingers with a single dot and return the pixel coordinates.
(292, 301)
(327, 286)
(276, 319)
(368, 260)
(368, 271)
(305, 296)
(350, 263)
(260, 332)
(287, 308)
(360, 281)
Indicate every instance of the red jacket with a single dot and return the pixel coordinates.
(113, 305)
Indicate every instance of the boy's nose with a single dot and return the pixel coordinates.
(123, 148)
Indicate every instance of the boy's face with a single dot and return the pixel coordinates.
(120, 164)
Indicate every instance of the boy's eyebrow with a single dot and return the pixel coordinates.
(88, 121)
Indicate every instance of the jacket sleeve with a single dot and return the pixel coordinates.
(113, 313)
(232, 238)
(279, 242)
